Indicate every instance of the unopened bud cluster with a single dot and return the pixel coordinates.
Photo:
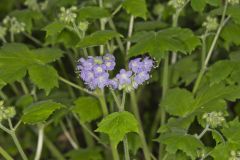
(83, 26)
(214, 119)
(3, 32)
(211, 23)
(68, 15)
(35, 6)
(6, 112)
(177, 3)
(234, 155)
(233, 2)
(14, 25)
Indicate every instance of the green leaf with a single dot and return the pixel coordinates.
(85, 154)
(220, 71)
(44, 76)
(117, 125)
(92, 12)
(21, 58)
(54, 28)
(198, 5)
(87, 108)
(149, 25)
(47, 55)
(231, 34)
(172, 39)
(223, 151)
(97, 38)
(215, 92)
(214, 2)
(184, 142)
(178, 102)
(185, 70)
(232, 132)
(40, 111)
(137, 8)
(2, 83)
(24, 101)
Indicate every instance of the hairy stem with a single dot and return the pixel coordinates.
(206, 129)
(40, 142)
(130, 31)
(204, 67)
(134, 106)
(76, 86)
(5, 154)
(70, 139)
(24, 87)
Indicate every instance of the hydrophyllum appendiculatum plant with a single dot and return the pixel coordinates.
(120, 79)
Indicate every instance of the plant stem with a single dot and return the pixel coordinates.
(90, 132)
(204, 67)
(3, 95)
(5, 154)
(18, 145)
(66, 133)
(130, 31)
(101, 98)
(134, 106)
(35, 40)
(126, 150)
(88, 137)
(12, 133)
(203, 55)
(15, 89)
(121, 109)
(24, 87)
(53, 149)
(40, 142)
(102, 26)
(76, 86)
(206, 129)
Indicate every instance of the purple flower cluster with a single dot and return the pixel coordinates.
(94, 71)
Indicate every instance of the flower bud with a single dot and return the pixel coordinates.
(177, 3)
(211, 23)
(234, 155)
(233, 2)
(14, 25)
(68, 15)
(214, 119)
(83, 26)
(32, 4)
(158, 9)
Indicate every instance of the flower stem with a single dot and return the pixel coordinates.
(126, 150)
(5, 154)
(204, 67)
(206, 129)
(105, 113)
(70, 139)
(130, 31)
(134, 106)
(24, 87)
(18, 145)
(53, 149)
(40, 142)
(76, 86)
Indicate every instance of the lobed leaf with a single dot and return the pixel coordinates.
(44, 77)
(172, 39)
(87, 108)
(117, 125)
(97, 38)
(184, 142)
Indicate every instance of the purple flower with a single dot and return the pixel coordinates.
(109, 65)
(113, 83)
(136, 65)
(147, 64)
(87, 75)
(102, 80)
(99, 69)
(108, 57)
(86, 64)
(124, 77)
(141, 77)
